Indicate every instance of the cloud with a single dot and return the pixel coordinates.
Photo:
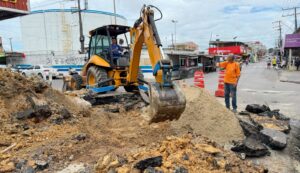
(249, 20)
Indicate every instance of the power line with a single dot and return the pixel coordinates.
(294, 14)
(287, 25)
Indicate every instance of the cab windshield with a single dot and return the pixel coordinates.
(99, 45)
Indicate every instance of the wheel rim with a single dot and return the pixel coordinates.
(92, 79)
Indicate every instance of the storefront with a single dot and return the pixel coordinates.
(292, 49)
(184, 65)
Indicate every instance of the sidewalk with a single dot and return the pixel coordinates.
(290, 76)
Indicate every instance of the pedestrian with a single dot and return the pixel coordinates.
(274, 62)
(232, 75)
(278, 62)
(283, 64)
(297, 63)
(269, 63)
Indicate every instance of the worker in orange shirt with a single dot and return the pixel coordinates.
(232, 75)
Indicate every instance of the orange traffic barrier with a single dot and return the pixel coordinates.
(220, 90)
(199, 79)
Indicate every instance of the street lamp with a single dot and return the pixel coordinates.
(174, 21)
(234, 38)
(11, 47)
(217, 40)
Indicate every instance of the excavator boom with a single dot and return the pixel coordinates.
(167, 102)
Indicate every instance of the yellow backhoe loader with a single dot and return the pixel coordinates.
(104, 71)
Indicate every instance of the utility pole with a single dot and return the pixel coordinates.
(173, 42)
(11, 47)
(81, 38)
(174, 21)
(279, 28)
(295, 15)
(115, 11)
(86, 4)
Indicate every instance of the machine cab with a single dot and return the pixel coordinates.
(108, 43)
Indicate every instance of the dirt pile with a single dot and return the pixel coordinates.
(35, 120)
(205, 116)
(177, 154)
(31, 98)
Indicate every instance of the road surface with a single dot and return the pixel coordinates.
(262, 86)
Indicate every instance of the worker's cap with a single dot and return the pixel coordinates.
(231, 56)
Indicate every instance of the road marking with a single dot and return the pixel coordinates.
(268, 91)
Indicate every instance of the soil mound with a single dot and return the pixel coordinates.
(178, 154)
(205, 116)
(22, 97)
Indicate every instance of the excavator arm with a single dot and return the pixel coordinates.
(167, 102)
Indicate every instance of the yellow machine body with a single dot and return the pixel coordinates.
(167, 102)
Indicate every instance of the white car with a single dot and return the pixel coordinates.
(40, 70)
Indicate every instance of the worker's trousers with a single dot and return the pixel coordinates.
(230, 90)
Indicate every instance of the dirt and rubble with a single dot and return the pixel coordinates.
(178, 154)
(44, 130)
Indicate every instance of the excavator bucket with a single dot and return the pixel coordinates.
(166, 103)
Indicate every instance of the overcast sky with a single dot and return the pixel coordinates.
(198, 20)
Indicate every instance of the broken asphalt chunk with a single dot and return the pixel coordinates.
(276, 114)
(251, 146)
(249, 128)
(150, 162)
(256, 108)
(273, 138)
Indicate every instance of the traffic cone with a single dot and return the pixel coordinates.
(220, 90)
(199, 79)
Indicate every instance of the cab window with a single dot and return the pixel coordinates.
(99, 45)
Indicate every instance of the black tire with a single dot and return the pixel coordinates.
(76, 82)
(132, 88)
(99, 74)
(40, 75)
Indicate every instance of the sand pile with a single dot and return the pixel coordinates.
(205, 116)
(177, 154)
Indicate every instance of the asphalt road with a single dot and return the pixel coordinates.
(261, 86)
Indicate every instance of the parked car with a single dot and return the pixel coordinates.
(40, 70)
